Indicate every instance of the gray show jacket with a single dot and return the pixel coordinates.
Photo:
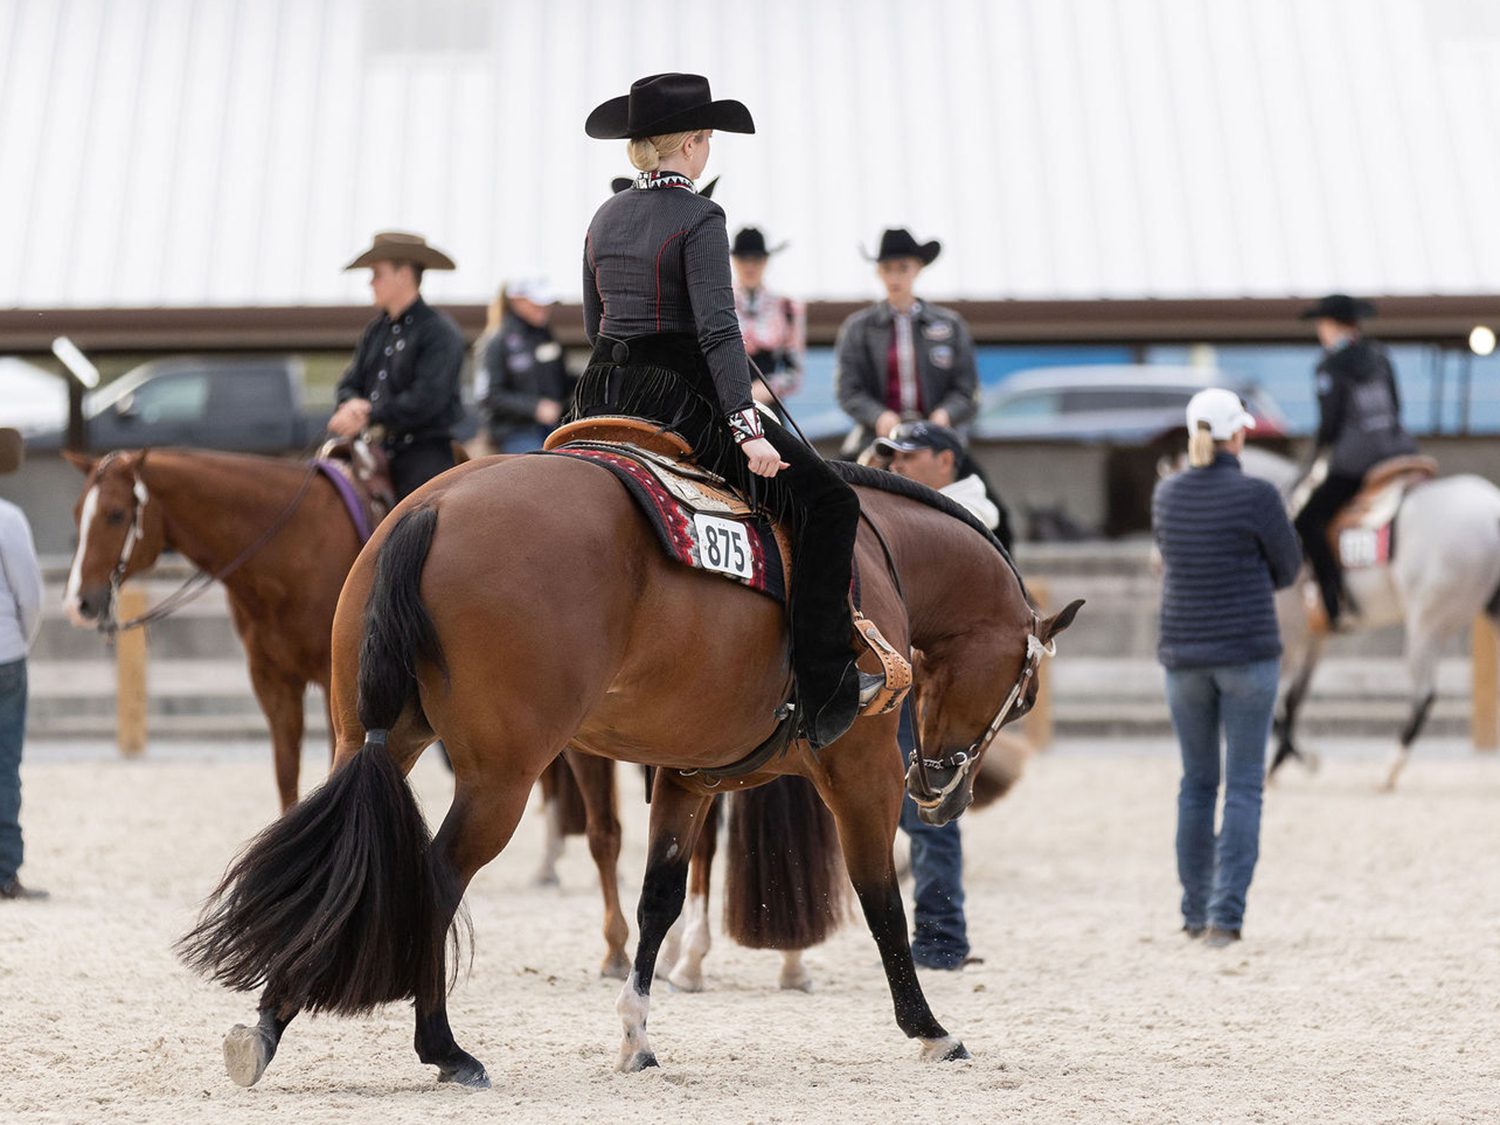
(945, 364)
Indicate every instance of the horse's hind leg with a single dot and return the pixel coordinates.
(683, 963)
(478, 825)
(249, 1050)
(676, 819)
(1422, 647)
(596, 784)
(1295, 695)
(866, 804)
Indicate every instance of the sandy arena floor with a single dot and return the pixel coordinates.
(1367, 989)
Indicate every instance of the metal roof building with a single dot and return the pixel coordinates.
(203, 153)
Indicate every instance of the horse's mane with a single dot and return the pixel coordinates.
(881, 480)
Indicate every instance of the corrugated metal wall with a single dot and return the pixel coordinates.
(227, 152)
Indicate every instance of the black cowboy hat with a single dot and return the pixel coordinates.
(625, 183)
(666, 103)
(749, 242)
(1339, 307)
(899, 243)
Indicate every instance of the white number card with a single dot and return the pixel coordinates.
(724, 545)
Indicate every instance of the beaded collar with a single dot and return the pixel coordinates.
(648, 181)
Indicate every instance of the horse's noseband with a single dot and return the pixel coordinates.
(960, 762)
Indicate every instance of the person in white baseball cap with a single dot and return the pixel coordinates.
(521, 377)
(1215, 415)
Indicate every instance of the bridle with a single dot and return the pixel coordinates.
(200, 580)
(918, 784)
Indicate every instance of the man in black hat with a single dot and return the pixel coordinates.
(404, 381)
(774, 327)
(901, 359)
(1359, 424)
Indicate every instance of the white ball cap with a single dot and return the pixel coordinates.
(1222, 410)
(533, 289)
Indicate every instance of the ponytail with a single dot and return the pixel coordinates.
(1201, 446)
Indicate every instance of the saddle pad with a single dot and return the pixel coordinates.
(699, 525)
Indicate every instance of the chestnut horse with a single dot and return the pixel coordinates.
(512, 608)
(212, 508)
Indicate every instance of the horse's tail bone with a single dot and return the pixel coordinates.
(336, 907)
(398, 631)
(785, 885)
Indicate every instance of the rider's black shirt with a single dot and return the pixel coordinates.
(1359, 408)
(409, 370)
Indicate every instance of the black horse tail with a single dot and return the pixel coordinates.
(785, 886)
(338, 906)
(398, 630)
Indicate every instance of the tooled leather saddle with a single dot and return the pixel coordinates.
(1362, 534)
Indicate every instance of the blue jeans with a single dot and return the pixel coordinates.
(940, 938)
(12, 733)
(1237, 700)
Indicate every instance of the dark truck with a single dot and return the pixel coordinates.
(249, 405)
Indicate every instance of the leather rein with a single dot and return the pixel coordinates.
(200, 580)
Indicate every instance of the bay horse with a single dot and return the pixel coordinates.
(514, 607)
(211, 508)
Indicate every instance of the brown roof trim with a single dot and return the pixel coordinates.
(336, 327)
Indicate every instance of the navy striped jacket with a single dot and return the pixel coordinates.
(1227, 546)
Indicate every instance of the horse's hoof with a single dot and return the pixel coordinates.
(546, 881)
(638, 1062)
(247, 1053)
(686, 982)
(616, 967)
(1311, 762)
(796, 982)
(946, 1049)
(469, 1074)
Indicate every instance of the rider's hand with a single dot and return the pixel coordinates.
(887, 422)
(350, 418)
(547, 411)
(763, 458)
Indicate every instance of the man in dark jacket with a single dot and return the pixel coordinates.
(403, 384)
(902, 359)
(1359, 424)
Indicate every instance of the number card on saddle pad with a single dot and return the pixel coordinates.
(701, 523)
(1362, 535)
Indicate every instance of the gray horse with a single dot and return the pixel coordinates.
(1445, 572)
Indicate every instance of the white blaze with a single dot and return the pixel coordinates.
(75, 575)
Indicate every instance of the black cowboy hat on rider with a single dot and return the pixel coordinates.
(659, 312)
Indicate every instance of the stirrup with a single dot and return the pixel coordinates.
(895, 680)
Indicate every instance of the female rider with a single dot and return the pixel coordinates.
(659, 311)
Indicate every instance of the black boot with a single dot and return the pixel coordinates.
(826, 715)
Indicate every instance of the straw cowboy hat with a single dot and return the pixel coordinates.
(666, 103)
(399, 246)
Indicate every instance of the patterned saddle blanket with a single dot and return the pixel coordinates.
(1362, 534)
(700, 520)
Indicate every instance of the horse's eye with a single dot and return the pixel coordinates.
(114, 519)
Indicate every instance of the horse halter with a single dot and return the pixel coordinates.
(962, 761)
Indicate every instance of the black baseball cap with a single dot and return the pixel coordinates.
(912, 436)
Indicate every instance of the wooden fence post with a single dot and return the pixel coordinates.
(130, 677)
(1038, 724)
(1485, 724)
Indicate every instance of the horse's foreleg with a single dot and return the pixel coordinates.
(478, 825)
(281, 700)
(676, 820)
(596, 783)
(683, 965)
(866, 804)
(1285, 726)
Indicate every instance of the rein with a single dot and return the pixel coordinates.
(200, 580)
(960, 761)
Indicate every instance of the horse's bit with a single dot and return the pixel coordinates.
(961, 761)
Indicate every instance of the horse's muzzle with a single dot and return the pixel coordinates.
(89, 607)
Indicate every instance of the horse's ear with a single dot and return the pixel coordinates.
(80, 461)
(1051, 626)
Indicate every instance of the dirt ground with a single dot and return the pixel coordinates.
(1367, 989)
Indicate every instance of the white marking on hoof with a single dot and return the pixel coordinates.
(794, 974)
(635, 1050)
(246, 1054)
(1398, 763)
(687, 971)
(946, 1049)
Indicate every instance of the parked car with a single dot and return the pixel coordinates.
(246, 405)
(1124, 404)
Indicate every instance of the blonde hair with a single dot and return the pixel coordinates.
(646, 152)
(495, 315)
(1201, 446)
